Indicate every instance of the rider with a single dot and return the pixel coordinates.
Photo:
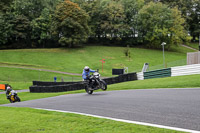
(86, 73)
(8, 90)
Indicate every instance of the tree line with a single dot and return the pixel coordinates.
(56, 23)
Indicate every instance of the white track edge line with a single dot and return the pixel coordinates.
(126, 121)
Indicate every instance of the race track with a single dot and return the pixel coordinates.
(170, 107)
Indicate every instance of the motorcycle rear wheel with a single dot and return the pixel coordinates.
(11, 101)
(88, 91)
(18, 99)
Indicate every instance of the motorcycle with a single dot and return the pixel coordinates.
(95, 83)
(13, 97)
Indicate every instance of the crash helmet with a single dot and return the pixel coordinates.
(87, 69)
(8, 88)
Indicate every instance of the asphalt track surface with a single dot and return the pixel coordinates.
(169, 107)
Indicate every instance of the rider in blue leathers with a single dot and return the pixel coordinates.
(86, 72)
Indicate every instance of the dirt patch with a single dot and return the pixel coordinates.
(82, 51)
(107, 57)
(15, 64)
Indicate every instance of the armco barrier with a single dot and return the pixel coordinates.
(186, 70)
(158, 73)
(40, 86)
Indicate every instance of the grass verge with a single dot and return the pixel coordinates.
(168, 82)
(26, 120)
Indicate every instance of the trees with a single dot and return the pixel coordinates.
(5, 30)
(20, 31)
(14, 28)
(194, 21)
(112, 19)
(41, 27)
(131, 8)
(190, 10)
(29, 8)
(92, 8)
(4, 5)
(16, 21)
(161, 24)
(122, 22)
(70, 24)
(106, 19)
(24, 21)
(5, 27)
(178, 33)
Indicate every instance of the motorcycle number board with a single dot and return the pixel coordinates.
(2, 86)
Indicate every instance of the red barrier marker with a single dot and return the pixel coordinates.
(103, 61)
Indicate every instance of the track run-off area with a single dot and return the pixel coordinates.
(176, 109)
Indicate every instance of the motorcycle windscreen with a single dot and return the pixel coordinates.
(2, 87)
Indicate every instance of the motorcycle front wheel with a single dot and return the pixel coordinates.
(103, 85)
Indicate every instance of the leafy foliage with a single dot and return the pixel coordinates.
(112, 16)
(5, 30)
(41, 27)
(70, 24)
(161, 24)
(190, 10)
(17, 29)
(53, 23)
(4, 5)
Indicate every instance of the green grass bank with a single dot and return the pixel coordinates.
(73, 60)
(26, 120)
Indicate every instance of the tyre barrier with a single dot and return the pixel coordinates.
(57, 88)
(41, 87)
(43, 83)
(121, 78)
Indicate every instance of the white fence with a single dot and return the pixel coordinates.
(178, 71)
(193, 58)
(185, 70)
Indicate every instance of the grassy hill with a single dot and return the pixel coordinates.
(73, 60)
(194, 45)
